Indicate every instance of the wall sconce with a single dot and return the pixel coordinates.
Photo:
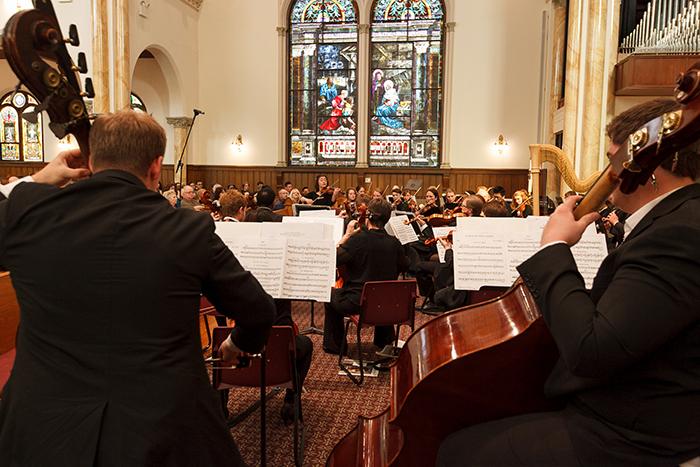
(238, 143)
(501, 146)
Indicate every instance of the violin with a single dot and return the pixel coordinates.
(444, 360)
(433, 241)
(446, 218)
(35, 49)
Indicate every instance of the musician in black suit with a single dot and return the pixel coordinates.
(109, 369)
(629, 366)
(304, 346)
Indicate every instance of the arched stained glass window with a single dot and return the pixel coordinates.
(323, 83)
(406, 83)
(21, 139)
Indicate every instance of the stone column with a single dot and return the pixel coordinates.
(591, 55)
(122, 63)
(447, 95)
(100, 56)
(180, 126)
(282, 97)
(363, 72)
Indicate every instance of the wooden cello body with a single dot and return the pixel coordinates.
(478, 363)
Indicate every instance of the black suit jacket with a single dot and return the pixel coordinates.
(630, 349)
(109, 369)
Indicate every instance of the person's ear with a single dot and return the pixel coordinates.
(154, 172)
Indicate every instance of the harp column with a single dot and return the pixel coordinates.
(180, 126)
(591, 57)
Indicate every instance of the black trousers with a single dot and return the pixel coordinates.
(540, 439)
(345, 303)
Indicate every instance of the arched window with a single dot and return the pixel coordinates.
(137, 103)
(406, 83)
(323, 83)
(21, 140)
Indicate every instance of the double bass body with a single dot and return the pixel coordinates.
(478, 363)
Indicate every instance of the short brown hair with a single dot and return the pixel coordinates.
(495, 209)
(475, 203)
(231, 202)
(126, 140)
(684, 163)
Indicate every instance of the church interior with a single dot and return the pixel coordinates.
(375, 95)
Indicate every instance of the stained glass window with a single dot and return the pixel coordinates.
(406, 83)
(323, 83)
(21, 139)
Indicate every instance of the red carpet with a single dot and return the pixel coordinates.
(331, 404)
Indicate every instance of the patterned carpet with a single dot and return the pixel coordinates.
(331, 404)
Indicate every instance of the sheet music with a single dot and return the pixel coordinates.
(488, 250)
(402, 231)
(317, 213)
(264, 259)
(441, 232)
(292, 261)
(337, 223)
(309, 269)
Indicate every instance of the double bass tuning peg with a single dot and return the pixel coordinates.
(82, 64)
(89, 89)
(73, 38)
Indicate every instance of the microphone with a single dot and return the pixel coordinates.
(198, 112)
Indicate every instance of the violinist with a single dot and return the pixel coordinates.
(368, 254)
(520, 205)
(629, 367)
(451, 201)
(324, 195)
(351, 202)
(406, 203)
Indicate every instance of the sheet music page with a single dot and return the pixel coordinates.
(264, 259)
(317, 213)
(480, 253)
(337, 223)
(229, 232)
(292, 230)
(402, 231)
(441, 232)
(487, 251)
(309, 269)
(589, 254)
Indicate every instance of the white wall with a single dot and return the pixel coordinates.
(238, 43)
(151, 85)
(496, 73)
(170, 82)
(496, 68)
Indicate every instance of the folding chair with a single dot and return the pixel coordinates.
(278, 365)
(383, 303)
(206, 309)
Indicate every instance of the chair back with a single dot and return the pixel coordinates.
(280, 354)
(388, 302)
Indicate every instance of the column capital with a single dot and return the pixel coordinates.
(364, 28)
(450, 27)
(282, 31)
(179, 122)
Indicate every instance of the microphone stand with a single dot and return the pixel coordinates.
(178, 166)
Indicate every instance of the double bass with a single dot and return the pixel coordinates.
(490, 360)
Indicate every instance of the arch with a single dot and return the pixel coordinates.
(173, 76)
